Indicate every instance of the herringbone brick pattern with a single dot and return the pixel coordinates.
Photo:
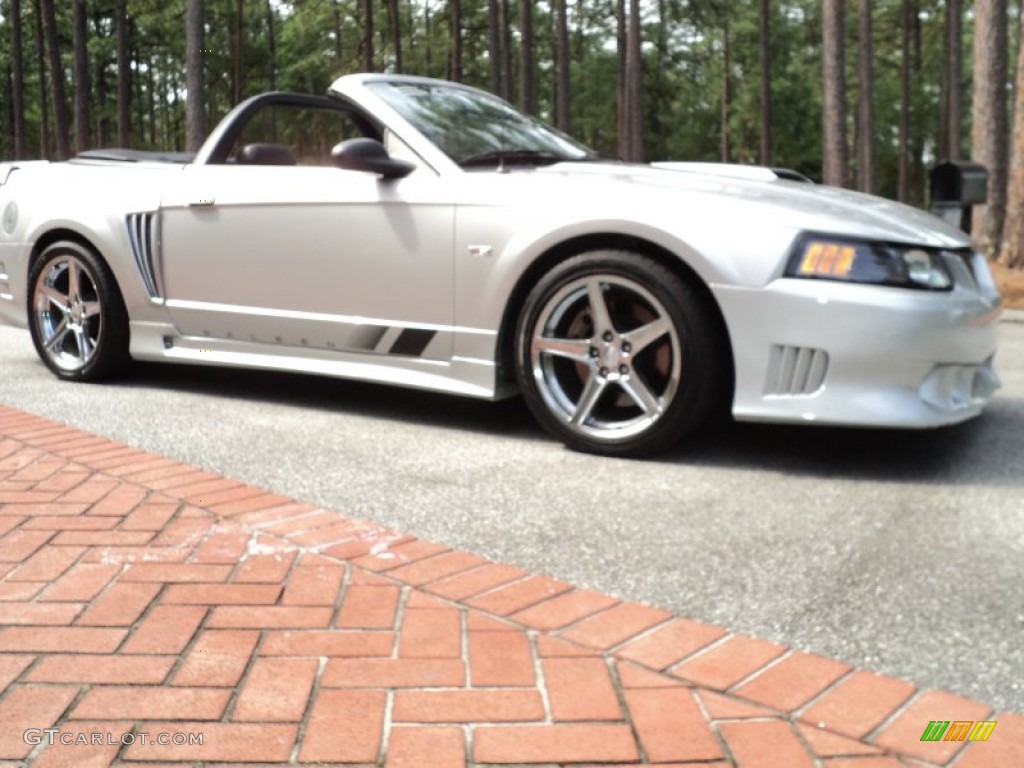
(145, 604)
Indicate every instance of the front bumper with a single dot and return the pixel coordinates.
(834, 353)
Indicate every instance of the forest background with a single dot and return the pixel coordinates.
(867, 94)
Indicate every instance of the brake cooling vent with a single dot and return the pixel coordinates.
(142, 235)
(795, 370)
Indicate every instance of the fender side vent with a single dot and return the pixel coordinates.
(142, 235)
(795, 371)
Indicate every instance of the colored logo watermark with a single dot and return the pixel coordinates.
(958, 730)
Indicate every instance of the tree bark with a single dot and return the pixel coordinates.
(271, 46)
(44, 110)
(953, 93)
(724, 150)
(60, 110)
(834, 161)
(151, 99)
(124, 82)
(455, 40)
(18, 81)
(527, 100)
(634, 85)
(7, 140)
(989, 118)
(903, 172)
(396, 33)
(766, 82)
(562, 67)
(865, 101)
(237, 82)
(81, 77)
(195, 102)
(102, 127)
(368, 35)
(494, 46)
(506, 50)
(620, 79)
(1012, 252)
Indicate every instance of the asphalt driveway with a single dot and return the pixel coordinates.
(901, 552)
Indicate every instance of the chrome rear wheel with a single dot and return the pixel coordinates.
(76, 315)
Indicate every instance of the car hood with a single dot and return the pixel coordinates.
(756, 193)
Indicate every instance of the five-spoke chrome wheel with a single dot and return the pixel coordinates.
(77, 319)
(605, 356)
(66, 312)
(616, 354)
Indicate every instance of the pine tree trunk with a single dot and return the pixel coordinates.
(368, 35)
(493, 46)
(396, 34)
(562, 67)
(506, 50)
(989, 118)
(527, 101)
(44, 109)
(915, 194)
(60, 110)
(766, 82)
(455, 40)
(271, 46)
(865, 102)
(835, 155)
(18, 81)
(151, 100)
(237, 82)
(725, 151)
(622, 99)
(953, 101)
(81, 77)
(124, 82)
(7, 141)
(634, 85)
(903, 174)
(1012, 251)
(195, 103)
(102, 123)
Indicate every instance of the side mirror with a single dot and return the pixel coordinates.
(370, 156)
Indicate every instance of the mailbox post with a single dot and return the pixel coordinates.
(956, 188)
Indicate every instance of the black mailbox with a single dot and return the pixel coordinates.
(963, 183)
(955, 188)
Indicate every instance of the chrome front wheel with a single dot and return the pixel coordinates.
(617, 355)
(605, 356)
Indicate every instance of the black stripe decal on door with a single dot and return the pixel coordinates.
(412, 342)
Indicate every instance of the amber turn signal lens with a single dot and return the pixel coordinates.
(827, 260)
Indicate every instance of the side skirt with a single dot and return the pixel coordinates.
(161, 342)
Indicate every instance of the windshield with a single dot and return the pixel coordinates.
(476, 129)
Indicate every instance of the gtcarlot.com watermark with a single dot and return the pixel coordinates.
(51, 736)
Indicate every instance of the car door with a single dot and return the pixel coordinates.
(310, 256)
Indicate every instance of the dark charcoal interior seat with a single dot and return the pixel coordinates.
(263, 153)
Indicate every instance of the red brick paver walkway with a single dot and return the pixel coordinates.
(155, 614)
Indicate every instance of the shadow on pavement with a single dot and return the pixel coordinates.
(978, 451)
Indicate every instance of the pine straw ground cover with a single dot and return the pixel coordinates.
(1011, 285)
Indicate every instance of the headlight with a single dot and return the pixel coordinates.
(855, 261)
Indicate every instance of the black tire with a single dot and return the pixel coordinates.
(76, 314)
(631, 380)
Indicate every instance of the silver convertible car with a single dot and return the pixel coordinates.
(421, 233)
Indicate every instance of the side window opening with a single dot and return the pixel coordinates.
(295, 135)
